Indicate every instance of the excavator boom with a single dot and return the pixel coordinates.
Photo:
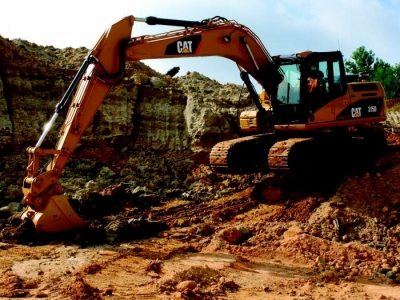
(211, 37)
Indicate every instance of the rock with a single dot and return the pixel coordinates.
(205, 229)
(106, 173)
(42, 294)
(243, 230)
(92, 185)
(186, 195)
(108, 292)
(140, 190)
(187, 285)
(320, 261)
(14, 207)
(217, 243)
(350, 277)
(157, 82)
(114, 230)
(173, 192)
(328, 276)
(181, 222)
(10, 209)
(25, 233)
(391, 275)
(140, 78)
(232, 235)
(291, 232)
(5, 212)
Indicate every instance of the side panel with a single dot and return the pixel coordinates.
(367, 100)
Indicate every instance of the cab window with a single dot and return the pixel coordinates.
(289, 88)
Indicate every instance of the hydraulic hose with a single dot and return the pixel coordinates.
(61, 105)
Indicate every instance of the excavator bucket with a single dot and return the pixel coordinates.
(57, 215)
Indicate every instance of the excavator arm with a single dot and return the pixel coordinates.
(47, 207)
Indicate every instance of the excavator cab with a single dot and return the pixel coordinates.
(311, 80)
(314, 94)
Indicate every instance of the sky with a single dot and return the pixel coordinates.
(284, 26)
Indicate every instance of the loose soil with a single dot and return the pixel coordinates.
(336, 237)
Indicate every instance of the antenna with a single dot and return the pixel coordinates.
(338, 42)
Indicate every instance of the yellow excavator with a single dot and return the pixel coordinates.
(315, 108)
(290, 110)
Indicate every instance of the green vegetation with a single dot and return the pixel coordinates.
(363, 60)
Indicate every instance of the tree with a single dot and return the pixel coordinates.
(363, 61)
(385, 74)
(394, 84)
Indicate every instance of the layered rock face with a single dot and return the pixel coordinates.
(147, 111)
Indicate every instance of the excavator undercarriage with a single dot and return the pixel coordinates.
(317, 152)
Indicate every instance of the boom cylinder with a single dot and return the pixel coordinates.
(61, 105)
(169, 22)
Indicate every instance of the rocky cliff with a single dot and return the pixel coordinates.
(149, 125)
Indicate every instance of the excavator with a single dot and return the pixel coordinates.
(288, 112)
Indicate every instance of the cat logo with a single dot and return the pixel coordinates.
(184, 46)
(187, 45)
(356, 112)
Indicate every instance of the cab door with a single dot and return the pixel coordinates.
(332, 88)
